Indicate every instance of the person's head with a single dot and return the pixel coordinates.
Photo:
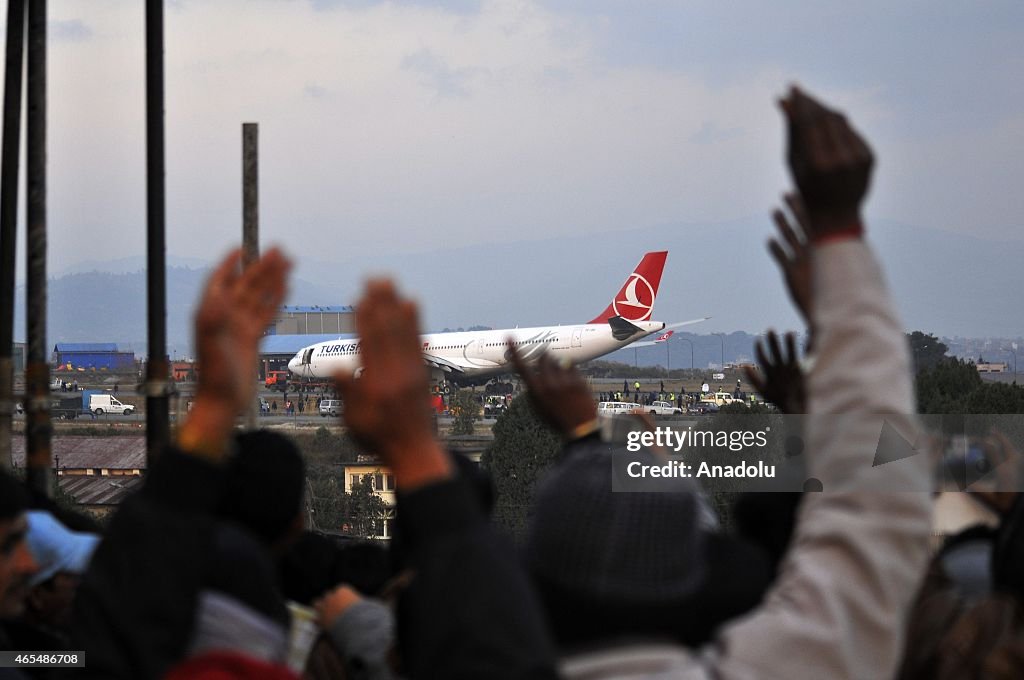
(16, 563)
(62, 556)
(264, 488)
(626, 564)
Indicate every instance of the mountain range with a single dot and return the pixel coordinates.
(944, 283)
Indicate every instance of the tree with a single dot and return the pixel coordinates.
(522, 450)
(361, 511)
(466, 409)
(945, 386)
(926, 350)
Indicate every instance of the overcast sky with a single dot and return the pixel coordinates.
(416, 125)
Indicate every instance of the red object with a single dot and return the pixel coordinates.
(228, 666)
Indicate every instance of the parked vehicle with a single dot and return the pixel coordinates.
(330, 407)
(612, 408)
(662, 408)
(65, 408)
(703, 408)
(108, 403)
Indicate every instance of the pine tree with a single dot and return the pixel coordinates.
(522, 451)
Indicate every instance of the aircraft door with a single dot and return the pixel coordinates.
(577, 337)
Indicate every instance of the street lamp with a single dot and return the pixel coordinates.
(721, 336)
(1014, 351)
(691, 351)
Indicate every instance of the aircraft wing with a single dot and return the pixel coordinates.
(677, 324)
(445, 365)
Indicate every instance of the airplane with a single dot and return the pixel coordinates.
(471, 355)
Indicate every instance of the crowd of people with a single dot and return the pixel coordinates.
(207, 571)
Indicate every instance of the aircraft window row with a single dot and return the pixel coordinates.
(522, 342)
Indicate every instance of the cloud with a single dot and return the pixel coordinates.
(442, 78)
(314, 91)
(711, 133)
(452, 6)
(71, 30)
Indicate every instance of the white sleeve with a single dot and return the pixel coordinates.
(858, 554)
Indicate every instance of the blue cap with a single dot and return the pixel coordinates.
(56, 548)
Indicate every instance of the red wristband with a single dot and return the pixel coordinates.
(851, 232)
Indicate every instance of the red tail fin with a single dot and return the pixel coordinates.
(635, 300)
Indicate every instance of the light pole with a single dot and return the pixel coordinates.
(1014, 352)
(691, 351)
(721, 336)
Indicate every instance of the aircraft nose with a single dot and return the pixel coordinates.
(293, 364)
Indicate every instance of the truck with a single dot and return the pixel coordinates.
(100, 403)
(276, 380)
(65, 408)
(721, 399)
(662, 408)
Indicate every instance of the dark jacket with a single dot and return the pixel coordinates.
(135, 606)
(469, 612)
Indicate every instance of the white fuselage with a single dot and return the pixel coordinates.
(475, 354)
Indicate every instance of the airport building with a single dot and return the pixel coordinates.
(298, 326)
(315, 319)
(91, 356)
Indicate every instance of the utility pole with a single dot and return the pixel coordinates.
(37, 370)
(158, 430)
(15, 59)
(250, 219)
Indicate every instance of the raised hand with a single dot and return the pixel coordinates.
(234, 311)
(780, 380)
(557, 391)
(387, 408)
(830, 162)
(1004, 457)
(792, 252)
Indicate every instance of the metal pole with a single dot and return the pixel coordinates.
(158, 431)
(37, 371)
(15, 60)
(250, 218)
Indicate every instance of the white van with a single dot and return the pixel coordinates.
(106, 403)
(330, 407)
(612, 408)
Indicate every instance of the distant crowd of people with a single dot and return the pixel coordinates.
(208, 572)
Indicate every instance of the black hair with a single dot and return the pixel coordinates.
(265, 481)
(13, 496)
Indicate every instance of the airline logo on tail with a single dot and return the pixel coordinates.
(663, 338)
(635, 300)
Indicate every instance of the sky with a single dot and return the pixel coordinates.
(405, 127)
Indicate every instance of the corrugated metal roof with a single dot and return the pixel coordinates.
(316, 309)
(86, 347)
(290, 344)
(114, 453)
(99, 490)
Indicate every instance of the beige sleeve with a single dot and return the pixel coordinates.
(838, 607)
